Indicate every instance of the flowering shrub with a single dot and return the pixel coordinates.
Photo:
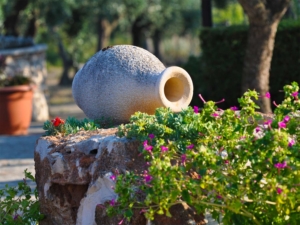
(234, 163)
(19, 205)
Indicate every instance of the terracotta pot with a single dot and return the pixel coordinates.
(123, 79)
(15, 109)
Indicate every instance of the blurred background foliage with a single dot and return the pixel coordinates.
(170, 29)
(221, 63)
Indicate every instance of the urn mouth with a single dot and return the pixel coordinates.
(175, 88)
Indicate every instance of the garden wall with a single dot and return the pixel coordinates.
(30, 62)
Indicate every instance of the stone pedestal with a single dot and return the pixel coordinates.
(30, 62)
(73, 178)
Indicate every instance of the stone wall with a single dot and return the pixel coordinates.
(73, 176)
(30, 62)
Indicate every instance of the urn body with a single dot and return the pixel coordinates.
(121, 80)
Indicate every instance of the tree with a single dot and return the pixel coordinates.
(105, 16)
(206, 9)
(264, 17)
(155, 19)
(14, 8)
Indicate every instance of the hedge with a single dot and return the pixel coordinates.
(217, 72)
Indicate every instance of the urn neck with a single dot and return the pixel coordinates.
(175, 88)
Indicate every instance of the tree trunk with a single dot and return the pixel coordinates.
(156, 43)
(31, 28)
(264, 18)
(257, 61)
(67, 65)
(206, 13)
(137, 32)
(11, 20)
(105, 29)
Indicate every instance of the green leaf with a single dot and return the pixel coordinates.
(236, 205)
(168, 214)
(186, 196)
(160, 212)
(128, 213)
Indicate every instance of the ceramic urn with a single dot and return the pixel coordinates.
(121, 80)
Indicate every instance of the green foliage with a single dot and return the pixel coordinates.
(223, 51)
(19, 205)
(14, 81)
(194, 68)
(2, 14)
(73, 125)
(225, 161)
(6, 81)
(231, 14)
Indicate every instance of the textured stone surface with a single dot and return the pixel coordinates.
(73, 178)
(30, 62)
(123, 79)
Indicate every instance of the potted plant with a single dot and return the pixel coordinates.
(15, 102)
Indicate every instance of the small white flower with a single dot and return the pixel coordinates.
(224, 154)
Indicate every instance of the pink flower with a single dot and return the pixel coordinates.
(234, 108)
(112, 202)
(164, 148)
(286, 119)
(295, 94)
(281, 165)
(147, 177)
(281, 124)
(219, 197)
(291, 143)
(257, 129)
(191, 146)
(16, 216)
(113, 177)
(183, 158)
(147, 147)
(223, 100)
(268, 95)
(268, 122)
(121, 221)
(143, 211)
(151, 136)
(279, 190)
(200, 96)
(215, 114)
(226, 161)
(196, 109)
